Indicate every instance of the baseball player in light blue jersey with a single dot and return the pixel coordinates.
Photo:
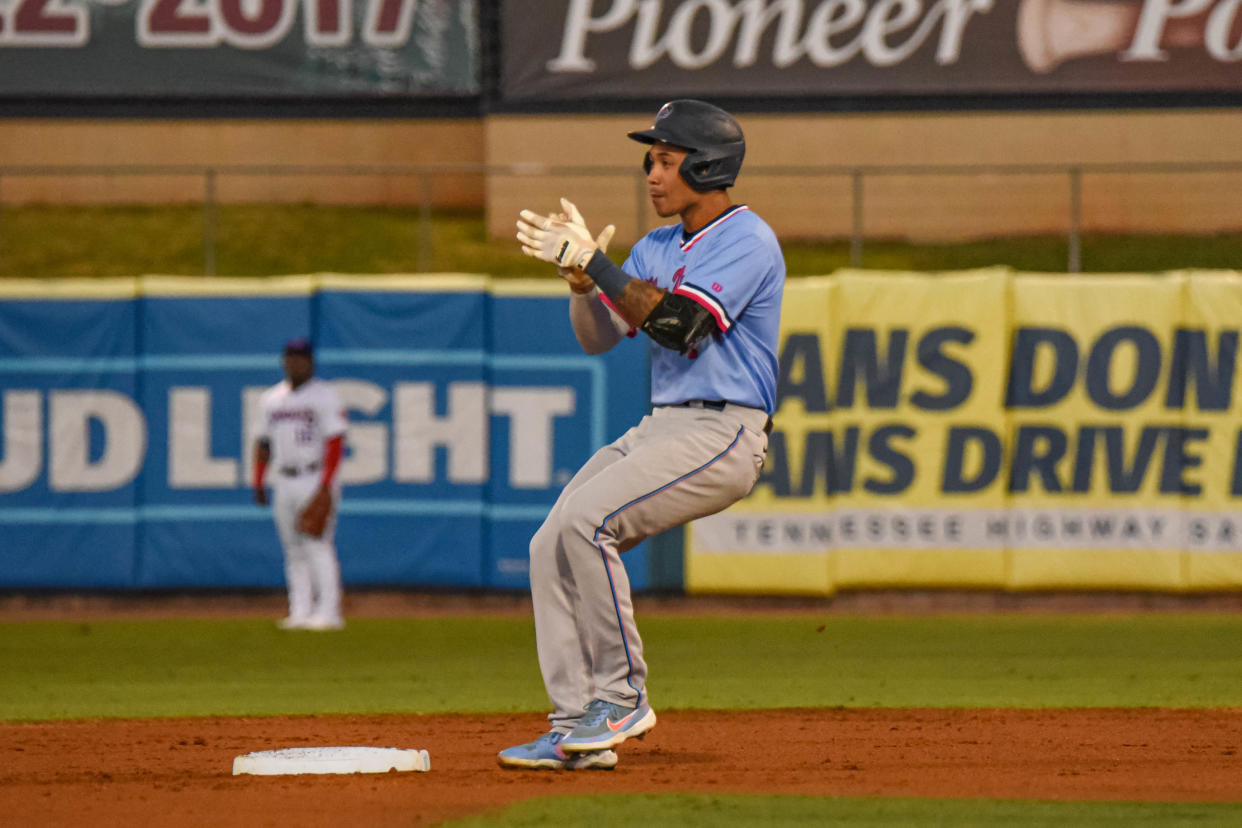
(707, 292)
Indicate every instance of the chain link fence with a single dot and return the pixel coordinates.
(867, 201)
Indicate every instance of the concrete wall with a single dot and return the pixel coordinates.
(228, 142)
(913, 207)
(797, 205)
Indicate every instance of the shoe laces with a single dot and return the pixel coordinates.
(552, 737)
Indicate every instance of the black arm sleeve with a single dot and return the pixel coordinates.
(609, 278)
(678, 323)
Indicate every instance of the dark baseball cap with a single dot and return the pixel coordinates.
(299, 347)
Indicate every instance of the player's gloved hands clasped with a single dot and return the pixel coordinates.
(562, 239)
(579, 282)
(574, 216)
(555, 240)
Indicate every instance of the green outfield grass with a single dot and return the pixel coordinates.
(55, 670)
(701, 811)
(52, 241)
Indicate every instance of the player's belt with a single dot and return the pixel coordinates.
(294, 471)
(718, 405)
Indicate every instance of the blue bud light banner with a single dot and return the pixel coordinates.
(126, 453)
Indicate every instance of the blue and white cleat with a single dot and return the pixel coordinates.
(545, 754)
(607, 725)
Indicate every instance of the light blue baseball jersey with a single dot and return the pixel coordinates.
(734, 268)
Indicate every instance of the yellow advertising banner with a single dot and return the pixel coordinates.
(1206, 389)
(994, 429)
(1094, 491)
(772, 542)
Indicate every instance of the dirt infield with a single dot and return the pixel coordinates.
(178, 772)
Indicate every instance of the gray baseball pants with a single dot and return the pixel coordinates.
(679, 463)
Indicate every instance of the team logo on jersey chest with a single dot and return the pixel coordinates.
(304, 415)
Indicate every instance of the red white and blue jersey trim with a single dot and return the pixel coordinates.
(697, 294)
(732, 268)
(717, 310)
(721, 219)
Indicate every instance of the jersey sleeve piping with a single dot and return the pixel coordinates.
(708, 302)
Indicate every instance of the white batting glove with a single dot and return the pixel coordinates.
(574, 216)
(554, 240)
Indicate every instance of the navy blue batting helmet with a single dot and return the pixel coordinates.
(299, 347)
(712, 135)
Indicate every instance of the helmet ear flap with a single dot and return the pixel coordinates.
(714, 168)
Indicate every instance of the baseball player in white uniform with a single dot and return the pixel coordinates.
(299, 442)
(707, 292)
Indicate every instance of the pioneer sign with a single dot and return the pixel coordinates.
(637, 48)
